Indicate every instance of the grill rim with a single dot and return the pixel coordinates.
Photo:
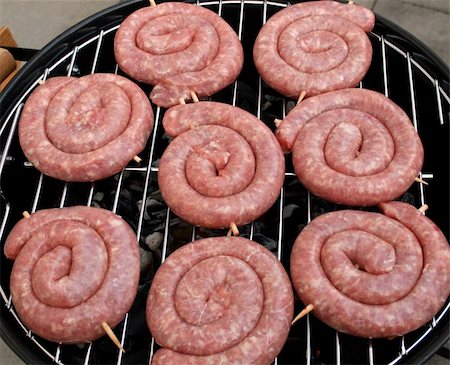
(108, 18)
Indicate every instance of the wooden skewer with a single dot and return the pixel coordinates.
(26, 214)
(419, 180)
(112, 336)
(234, 229)
(152, 3)
(350, 2)
(303, 313)
(277, 122)
(41, 82)
(423, 208)
(301, 97)
(194, 97)
(182, 101)
(137, 159)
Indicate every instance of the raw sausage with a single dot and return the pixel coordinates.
(352, 146)
(85, 129)
(221, 300)
(402, 276)
(316, 47)
(74, 268)
(224, 166)
(179, 48)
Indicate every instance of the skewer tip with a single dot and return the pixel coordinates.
(277, 122)
(182, 101)
(137, 159)
(301, 97)
(194, 96)
(152, 3)
(423, 208)
(303, 313)
(112, 336)
(420, 180)
(350, 2)
(26, 214)
(234, 229)
(41, 82)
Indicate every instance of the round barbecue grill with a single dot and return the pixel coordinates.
(402, 68)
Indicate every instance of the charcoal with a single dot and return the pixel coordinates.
(267, 242)
(146, 263)
(154, 240)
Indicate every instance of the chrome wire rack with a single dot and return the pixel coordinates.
(399, 73)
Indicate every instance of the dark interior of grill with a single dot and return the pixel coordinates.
(310, 341)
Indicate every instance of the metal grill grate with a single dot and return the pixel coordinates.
(310, 341)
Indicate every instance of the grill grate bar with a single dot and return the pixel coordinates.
(308, 321)
(97, 51)
(414, 117)
(63, 196)
(166, 236)
(72, 61)
(338, 349)
(122, 340)
(147, 176)
(88, 354)
(91, 195)
(384, 63)
(280, 224)
(446, 97)
(308, 339)
(419, 339)
(402, 346)
(446, 308)
(439, 102)
(371, 362)
(58, 353)
(240, 29)
(163, 258)
(117, 193)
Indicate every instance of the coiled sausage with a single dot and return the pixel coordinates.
(220, 300)
(316, 47)
(352, 146)
(85, 129)
(402, 276)
(74, 268)
(224, 166)
(178, 47)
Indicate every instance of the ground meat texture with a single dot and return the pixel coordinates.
(352, 146)
(372, 275)
(224, 165)
(222, 300)
(85, 129)
(316, 47)
(74, 268)
(179, 48)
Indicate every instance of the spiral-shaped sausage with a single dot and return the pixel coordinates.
(74, 269)
(85, 129)
(229, 168)
(222, 300)
(179, 48)
(402, 273)
(352, 146)
(314, 47)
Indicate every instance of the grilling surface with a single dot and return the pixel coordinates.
(392, 72)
